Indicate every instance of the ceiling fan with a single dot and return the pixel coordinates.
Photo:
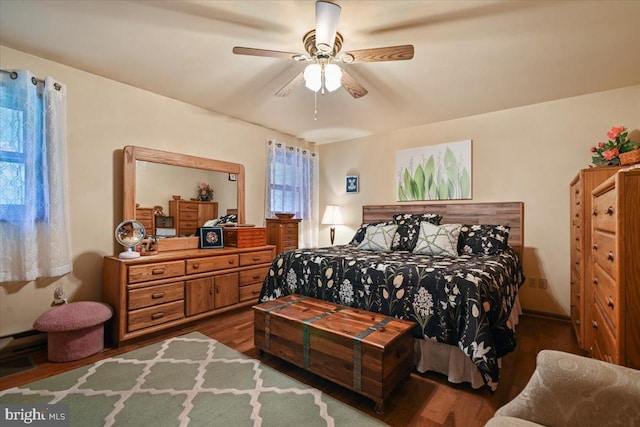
(323, 46)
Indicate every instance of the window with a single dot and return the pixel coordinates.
(292, 186)
(33, 203)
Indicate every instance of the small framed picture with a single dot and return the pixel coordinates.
(210, 237)
(353, 185)
(233, 177)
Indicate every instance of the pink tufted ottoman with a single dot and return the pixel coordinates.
(74, 330)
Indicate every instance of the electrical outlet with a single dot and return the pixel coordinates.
(533, 282)
(543, 284)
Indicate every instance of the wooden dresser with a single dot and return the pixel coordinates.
(616, 269)
(191, 214)
(283, 233)
(581, 266)
(147, 219)
(156, 292)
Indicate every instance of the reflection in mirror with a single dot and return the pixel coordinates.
(155, 180)
(157, 183)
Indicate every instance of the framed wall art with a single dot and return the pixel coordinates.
(210, 237)
(434, 172)
(352, 184)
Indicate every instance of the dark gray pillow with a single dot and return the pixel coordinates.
(484, 239)
(408, 228)
(362, 231)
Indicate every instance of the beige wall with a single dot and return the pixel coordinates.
(527, 154)
(103, 117)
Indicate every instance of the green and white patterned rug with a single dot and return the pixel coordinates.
(187, 380)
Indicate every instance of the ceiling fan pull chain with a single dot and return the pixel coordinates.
(315, 105)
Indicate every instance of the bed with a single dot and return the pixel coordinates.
(464, 303)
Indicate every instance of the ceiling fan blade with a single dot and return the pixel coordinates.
(389, 53)
(352, 86)
(289, 87)
(265, 52)
(327, 17)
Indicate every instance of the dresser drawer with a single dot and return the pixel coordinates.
(146, 317)
(161, 270)
(255, 275)
(250, 292)
(155, 295)
(604, 252)
(604, 211)
(604, 339)
(188, 207)
(607, 292)
(202, 265)
(255, 258)
(190, 215)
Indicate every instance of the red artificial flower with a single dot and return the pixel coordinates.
(615, 132)
(593, 149)
(610, 154)
(600, 144)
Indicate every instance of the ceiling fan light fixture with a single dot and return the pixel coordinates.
(332, 77)
(313, 77)
(327, 16)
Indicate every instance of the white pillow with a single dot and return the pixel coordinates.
(438, 239)
(378, 238)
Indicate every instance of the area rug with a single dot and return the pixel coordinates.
(187, 380)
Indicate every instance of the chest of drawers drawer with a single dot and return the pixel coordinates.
(255, 275)
(254, 258)
(202, 265)
(604, 338)
(155, 295)
(606, 290)
(604, 211)
(155, 315)
(155, 271)
(604, 252)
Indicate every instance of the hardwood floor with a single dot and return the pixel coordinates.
(424, 400)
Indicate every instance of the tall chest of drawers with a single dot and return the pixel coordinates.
(580, 270)
(191, 214)
(615, 228)
(283, 233)
(156, 292)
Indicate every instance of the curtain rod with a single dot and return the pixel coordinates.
(34, 80)
(291, 148)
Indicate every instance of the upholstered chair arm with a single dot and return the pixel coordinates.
(569, 390)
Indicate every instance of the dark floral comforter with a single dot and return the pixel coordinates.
(463, 301)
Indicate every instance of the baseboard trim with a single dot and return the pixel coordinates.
(554, 316)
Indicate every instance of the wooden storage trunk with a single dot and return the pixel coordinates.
(245, 237)
(367, 352)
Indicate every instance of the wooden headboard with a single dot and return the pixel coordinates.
(498, 213)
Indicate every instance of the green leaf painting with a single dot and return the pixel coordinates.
(435, 172)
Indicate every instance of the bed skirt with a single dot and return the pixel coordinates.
(450, 360)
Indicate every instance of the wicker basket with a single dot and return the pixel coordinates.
(629, 158)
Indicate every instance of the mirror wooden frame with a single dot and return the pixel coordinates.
(133, 154)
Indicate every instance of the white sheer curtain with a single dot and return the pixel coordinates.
(34, 219)
(292, 186)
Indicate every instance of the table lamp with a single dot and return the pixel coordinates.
(332, 216)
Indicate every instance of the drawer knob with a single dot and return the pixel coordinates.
(595, 212)
(594, 324)
(196, 266)
(232, 261)
(610, 302)
(256, 258)
(217, 289)
(157, 295)
(256, 276)
(595, 280)
(595, 246)
(610, 210)
(157, 271)
(155, 316)
(255, 292)
(610, 256)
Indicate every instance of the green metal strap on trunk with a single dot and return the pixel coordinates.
(267, 319)
(357, 351)
(305, 332)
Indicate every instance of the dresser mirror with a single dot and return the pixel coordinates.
(153, 178)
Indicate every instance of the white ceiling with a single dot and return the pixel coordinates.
(471, 57)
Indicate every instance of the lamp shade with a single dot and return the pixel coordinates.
(332, 215)
(313, 77)
(332, 77)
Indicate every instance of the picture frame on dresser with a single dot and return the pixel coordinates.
(211, 237)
